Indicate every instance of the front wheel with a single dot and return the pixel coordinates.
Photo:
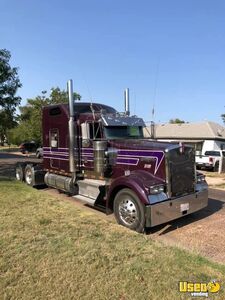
(129, 211)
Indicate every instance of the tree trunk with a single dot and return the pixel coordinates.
(2, 139)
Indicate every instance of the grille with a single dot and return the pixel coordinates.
(181, 171)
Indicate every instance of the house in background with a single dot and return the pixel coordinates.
(203, 136)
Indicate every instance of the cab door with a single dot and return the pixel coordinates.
(54, 149)
(90, 131)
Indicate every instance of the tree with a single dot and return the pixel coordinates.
(30, 119)
(223, 117)
(9, 84)
(176, 121)
(58, 96)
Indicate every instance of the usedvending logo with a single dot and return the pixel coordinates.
(199, 289)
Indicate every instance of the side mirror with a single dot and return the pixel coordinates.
(54, 144)
(85, 132)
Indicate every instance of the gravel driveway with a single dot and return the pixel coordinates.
(202, 232)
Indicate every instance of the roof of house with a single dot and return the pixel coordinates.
(202, 130)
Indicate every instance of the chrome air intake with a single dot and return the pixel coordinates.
(100, 148)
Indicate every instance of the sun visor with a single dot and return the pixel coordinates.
(122, 121)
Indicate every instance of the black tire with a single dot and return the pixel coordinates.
(129, 211)
(216, 167)
(20, 172)
(29, 175)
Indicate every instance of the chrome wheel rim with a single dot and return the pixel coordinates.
(128, 211)
(18, 175)
(28, 177)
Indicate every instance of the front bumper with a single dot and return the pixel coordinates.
(172, 209)
(204, 165)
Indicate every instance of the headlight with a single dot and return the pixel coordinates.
(200, 178)
(156, 189)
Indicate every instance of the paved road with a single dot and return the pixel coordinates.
(202, 232)
(9, 160)
(10, 155)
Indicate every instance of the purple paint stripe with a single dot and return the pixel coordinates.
(127, 160)
(87, 157)
(128, 157)
(66, 150)
(55, 149)
(55, 156)
(56, 152)
(88, 160)
(141, 153)
(87, 151)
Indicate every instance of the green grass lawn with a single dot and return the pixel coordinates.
(51, 249)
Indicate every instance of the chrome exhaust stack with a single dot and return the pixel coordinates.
(127, 102)
(152, 130)
(100, 148)
(72, 166)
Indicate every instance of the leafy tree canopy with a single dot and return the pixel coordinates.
(223, 117)
(58, 96)
(9, 84)
(30, 119)
(176, 121)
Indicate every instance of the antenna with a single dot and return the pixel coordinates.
(135, 98)
(155, 89)
(154, 100)
(87, 87)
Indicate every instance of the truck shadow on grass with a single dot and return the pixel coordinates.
(8, 171)
(213, 207)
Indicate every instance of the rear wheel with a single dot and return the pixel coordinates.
(20, 172)
(216, 167)
(129, 211)
(29, 175)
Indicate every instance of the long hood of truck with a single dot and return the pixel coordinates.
(141, 155)
(141, 144)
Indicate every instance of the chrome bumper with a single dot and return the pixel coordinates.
(172, 209)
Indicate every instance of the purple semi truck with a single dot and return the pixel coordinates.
(101, 157)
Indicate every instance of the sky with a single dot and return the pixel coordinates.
(170, 54)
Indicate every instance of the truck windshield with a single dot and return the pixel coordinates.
(120, 132)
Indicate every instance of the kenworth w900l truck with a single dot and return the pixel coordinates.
(100, 156)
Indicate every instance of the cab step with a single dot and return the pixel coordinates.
(90, 188)
(90, 203)
(84, 199)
